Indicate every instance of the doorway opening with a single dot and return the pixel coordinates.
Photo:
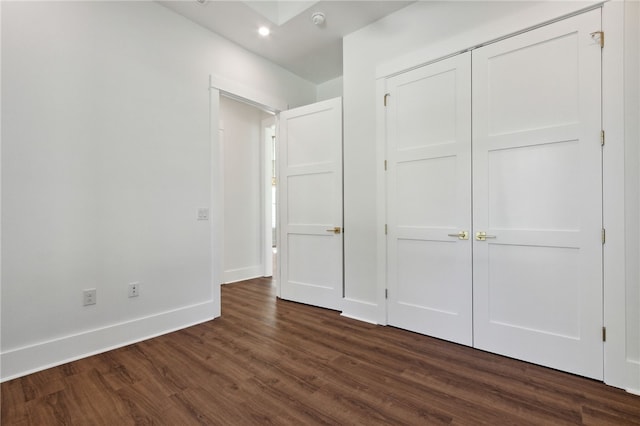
(247, 138)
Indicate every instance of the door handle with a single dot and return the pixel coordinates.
(462, 235)
(335, 230)
(482, 236)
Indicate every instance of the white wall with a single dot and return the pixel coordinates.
(631, 352)
(329, 89)
(243, 209)
(0, 187)
(426, 31)
(105, 160)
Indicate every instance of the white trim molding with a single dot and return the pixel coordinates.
(361, 311)
(242, 274)
(29, 359)
(246, 94)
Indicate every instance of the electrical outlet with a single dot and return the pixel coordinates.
(89, 296)
(134, 289)
(203, 213)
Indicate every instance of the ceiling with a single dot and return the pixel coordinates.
(295, 43)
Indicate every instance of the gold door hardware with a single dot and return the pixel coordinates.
(462, 235)
(598, 36)
(335, 230)
(482, 236)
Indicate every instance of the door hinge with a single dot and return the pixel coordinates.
(604, 334)
(602, 137)
(386, 95)
(385, 165)
(386, 293)
(599, 36)
(604, 235)
(385, 229)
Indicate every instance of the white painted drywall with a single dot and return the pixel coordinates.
(631, 371)
(0, 183)
(329, 89)
(243, 204)
(105, 161)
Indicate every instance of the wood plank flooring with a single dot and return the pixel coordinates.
(277, 362)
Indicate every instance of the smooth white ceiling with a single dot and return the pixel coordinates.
(314, 53)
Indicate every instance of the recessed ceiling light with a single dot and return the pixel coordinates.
(264, 31)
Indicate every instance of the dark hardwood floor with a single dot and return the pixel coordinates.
(277, 362)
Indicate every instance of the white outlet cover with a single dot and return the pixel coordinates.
(89, 297)
(134, 289)
(203, 213)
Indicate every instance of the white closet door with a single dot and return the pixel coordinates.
(538, 197)
(310, 204)
(429, 200)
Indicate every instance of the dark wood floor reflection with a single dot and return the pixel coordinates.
(277, 362)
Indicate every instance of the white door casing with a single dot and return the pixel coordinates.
(310, 204)
(537, 194)
(428, 117)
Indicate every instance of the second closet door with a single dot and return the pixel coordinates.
(537, 195)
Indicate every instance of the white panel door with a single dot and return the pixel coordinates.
(310, 244)
(429, 200)
(537, 195)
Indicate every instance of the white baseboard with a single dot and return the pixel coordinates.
(362, 311)
(29, 359)
(633, 391)
(241, 274)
